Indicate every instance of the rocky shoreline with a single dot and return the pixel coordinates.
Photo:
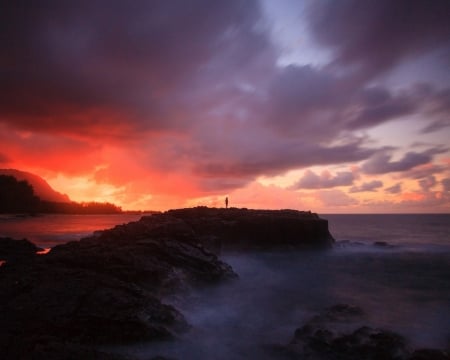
(110, 288)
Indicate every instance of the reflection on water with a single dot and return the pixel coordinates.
(53, 229)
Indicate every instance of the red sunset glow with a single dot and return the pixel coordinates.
(155, 105)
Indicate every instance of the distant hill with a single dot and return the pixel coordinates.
(40, 186)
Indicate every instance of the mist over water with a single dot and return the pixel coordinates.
(276, 293)
(402, 285)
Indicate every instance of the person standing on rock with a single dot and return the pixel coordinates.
(226, 202)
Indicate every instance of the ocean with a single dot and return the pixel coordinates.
(49, 230)
(395, 267)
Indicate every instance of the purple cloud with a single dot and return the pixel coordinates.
(368, 186)
(372, 36)
(381, 162)
(195, 87)
(424, 171)
(378, 105)
(311, 180)
(395, 189)
(124, 63)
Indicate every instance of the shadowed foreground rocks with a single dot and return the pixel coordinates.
(11, 249)
(109, 288)
(339, 333)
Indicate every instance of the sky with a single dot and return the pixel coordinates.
(329, 106)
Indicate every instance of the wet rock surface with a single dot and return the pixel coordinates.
(339, 333)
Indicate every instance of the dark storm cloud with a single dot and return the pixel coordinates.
(395, 189)
(311, 180)
(373, 36)
(367, 186)
(194, 85)
(381, 162)
(133, 59)
(271, 159)
(303, 99)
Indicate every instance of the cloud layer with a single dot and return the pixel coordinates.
(186, 99)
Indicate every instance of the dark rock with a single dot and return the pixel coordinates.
(48, 348)
(244, 229)
(109, 288)
(429, 354)
(337, 334)
(106, 289)
(383, 244)
(159, 253)
(78, 306)
(12, 250)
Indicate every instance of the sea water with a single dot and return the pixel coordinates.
(395, 267)
(49, 230)
(402, 283)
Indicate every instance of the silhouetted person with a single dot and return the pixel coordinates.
(226, 202)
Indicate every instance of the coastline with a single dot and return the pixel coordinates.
(121, 278)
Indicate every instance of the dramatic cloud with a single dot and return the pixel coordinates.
(166, 102)
(116, 66)
(311, 180)
(368, 186)
(378, 105)
(381, 162)
(371, 37)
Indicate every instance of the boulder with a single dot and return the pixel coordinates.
(11, 249)
(338, 333)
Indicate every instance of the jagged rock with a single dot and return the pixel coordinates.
(337, 334)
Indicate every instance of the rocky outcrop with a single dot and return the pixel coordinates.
(219, 229)
(106, 289)
(339, 334)
(245, 229)
(11, 249)
(109, 288)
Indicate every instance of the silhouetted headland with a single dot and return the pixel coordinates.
(20, 197)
